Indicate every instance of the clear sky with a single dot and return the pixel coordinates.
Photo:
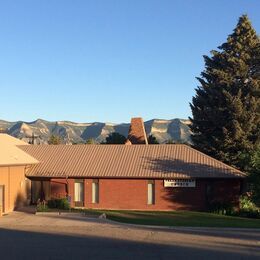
(108, 60)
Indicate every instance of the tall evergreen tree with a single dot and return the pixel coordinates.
(226, 116)
(254, 178)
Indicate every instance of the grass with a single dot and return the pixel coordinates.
(177, 218)
(171, 218)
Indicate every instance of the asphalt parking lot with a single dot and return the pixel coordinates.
(71, 236)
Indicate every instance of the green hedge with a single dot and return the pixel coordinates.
(247, 208)
(42, 207)
(59, 204)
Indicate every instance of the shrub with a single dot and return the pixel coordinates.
(248, 208)
(42, 206)
(246, 203)
(59, 203)
(63, 204)
(52, 203)
(222, 208)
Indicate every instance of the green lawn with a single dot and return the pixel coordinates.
(178, 218)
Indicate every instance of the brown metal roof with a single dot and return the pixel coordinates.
(11, 155)
(126, 161)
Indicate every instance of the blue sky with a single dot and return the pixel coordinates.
(108, 60)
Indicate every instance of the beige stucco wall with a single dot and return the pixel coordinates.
(16, 187)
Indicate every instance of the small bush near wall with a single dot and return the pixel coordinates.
(248, 208)
(222, 208)
(42, 206)
(59, 204)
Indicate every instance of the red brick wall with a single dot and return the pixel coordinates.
(132, 194)
(226, 191)
(58, 188)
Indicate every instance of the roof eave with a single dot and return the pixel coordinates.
(17, 164)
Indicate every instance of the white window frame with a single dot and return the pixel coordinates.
(151, 192)
(95, 191)
(79, 191)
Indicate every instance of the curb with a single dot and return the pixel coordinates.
(177, 228)
(61, 213)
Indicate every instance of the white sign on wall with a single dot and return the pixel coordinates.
(189, 183)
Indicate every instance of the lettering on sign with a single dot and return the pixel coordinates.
(189, 183)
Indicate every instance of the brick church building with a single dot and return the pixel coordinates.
(134, 176)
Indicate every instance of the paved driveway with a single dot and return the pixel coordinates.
(28, 236)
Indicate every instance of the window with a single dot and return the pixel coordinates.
(151, 192)
(95, 191)
(79, 193)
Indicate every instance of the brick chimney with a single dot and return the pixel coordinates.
(137, 133)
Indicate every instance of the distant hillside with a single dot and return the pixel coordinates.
(164, 130)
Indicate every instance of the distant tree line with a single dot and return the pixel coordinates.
(112, 138)
(55, 140)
